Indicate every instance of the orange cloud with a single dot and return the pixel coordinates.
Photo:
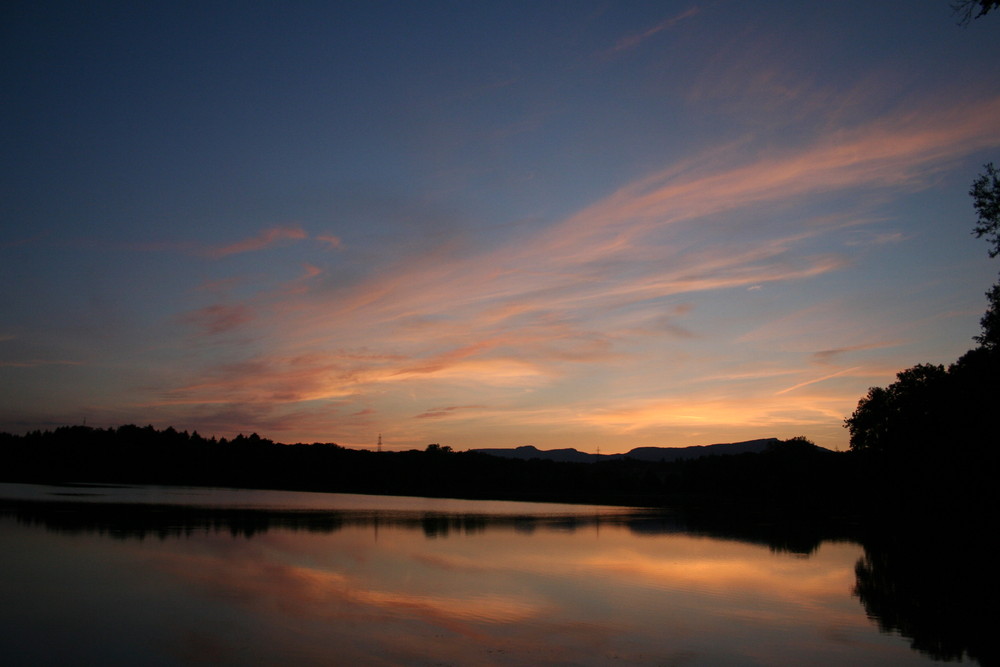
(747, 410)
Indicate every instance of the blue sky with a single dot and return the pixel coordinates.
(487, 224)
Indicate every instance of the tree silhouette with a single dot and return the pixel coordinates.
(990, 322)
(966, 8)
(905, 416)
(985, 193)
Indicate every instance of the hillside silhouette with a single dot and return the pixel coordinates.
(793, 478)
(528, 452)
(144, 455)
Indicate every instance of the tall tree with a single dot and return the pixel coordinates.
(904, 418)
(990, 322)
(985, 194)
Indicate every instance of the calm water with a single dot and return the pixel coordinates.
(266, 578)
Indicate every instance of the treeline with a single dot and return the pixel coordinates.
(793, 477)
(792, 473)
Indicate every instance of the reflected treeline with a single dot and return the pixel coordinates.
(935, 588)
(140, 521)
(780, 534)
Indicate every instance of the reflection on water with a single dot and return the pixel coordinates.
(218, 584)
(933, 591)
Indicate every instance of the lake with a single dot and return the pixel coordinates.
(193, 576)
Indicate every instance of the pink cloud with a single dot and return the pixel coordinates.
(334, 242)
(32, 363)
(220, 285)
(897, 151)
(219, 318)
(27, 240)
(265, 239)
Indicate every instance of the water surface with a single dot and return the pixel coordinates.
(224, 577)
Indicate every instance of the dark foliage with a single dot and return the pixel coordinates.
(905, 418)
(929, 441)
(985, 193)
(973, 9)
(990, 322)
(931, 438)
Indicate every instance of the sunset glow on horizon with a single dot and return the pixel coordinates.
(562, 225)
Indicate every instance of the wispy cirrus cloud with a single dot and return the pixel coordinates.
(869, 238)
(331, 241)
(34, 363)
(22, 241)
(831, 356)
(219, 318)
(817, 380)
(901, 151)
(634, 40)
(527, 314)
(266, 238)
(448, 411)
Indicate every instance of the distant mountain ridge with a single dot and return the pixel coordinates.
(527, 452)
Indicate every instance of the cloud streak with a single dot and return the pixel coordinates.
(438, 413)
(219, 318)
(33, 363)
(893, 152)
(522, 316)
(266, 239)
(633, 41)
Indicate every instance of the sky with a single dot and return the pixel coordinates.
(562, 224)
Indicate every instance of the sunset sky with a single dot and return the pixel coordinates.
(487, 224)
